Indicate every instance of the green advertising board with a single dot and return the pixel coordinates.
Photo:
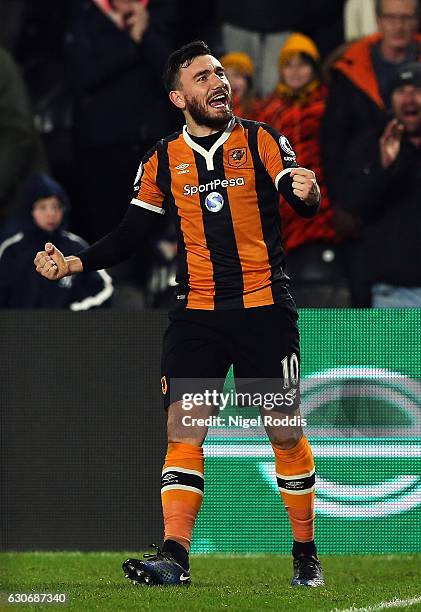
(361, 399)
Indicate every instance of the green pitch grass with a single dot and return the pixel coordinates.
(94, 581)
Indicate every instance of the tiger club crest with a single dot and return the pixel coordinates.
(237, 157)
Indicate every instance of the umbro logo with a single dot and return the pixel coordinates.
(182, 168)
(293, 484)
(169, 477)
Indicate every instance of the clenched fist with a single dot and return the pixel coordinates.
(304, 186)
(51, 263)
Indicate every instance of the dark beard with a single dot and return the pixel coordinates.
(414, 133)
(201, 117)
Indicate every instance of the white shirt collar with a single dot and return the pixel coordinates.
(208, 155)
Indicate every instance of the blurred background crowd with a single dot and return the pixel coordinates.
(81, 101)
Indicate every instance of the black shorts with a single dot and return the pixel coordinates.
(261, 343)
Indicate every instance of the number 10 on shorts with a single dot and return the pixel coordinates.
(290, 370)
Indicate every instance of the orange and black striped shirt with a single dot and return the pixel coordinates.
(225, 205)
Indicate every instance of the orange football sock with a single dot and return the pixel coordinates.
(296, 478)
(182, 489)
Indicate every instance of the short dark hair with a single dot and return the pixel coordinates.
(379, 7)
(182, 58)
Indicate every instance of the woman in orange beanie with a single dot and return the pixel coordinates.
(240, 71)
(295, 109)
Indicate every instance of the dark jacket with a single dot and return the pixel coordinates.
(119, 97)
(320, 19)
(388, 202)
(354, 106)
(20, 147)
(20, 285)
(274, 16)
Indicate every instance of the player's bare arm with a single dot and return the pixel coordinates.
(305, 187)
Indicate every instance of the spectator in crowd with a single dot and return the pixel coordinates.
(240, 71)
(359, 19)
(295, 109)
(383, 186)
(20, 147)
(261, 28)
(359, 100)
(258, 29)
(40, 54)
(359, 95)
(46, 205)
(116, 51)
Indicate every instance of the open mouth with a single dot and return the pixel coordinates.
(412, 113)
(218, 100)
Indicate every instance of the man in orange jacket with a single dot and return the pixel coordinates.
(359, 93)
(359, 97)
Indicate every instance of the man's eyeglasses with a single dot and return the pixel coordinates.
(405, 19)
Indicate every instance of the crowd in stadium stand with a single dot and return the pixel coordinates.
(45, 208)
(81, 101)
